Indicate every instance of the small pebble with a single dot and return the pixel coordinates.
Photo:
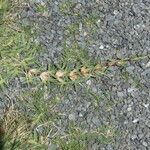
(130, 90)
(98, 21)
(72, 117)
(135, 120)
(101, 47)
(116, 12)
(80, 27)
(148, 64)
(87, 104)
(129, 109)
(126, 122)
(80, 115)
(133, 137)
(42, 3)
(88, 82)
(85, 34)
(145, 105)
(145, 144)
(120, 94)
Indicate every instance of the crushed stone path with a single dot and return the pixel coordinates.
(120, 29)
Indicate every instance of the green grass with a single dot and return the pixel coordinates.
(76, 57)
(20, 127)
(41, 8)
(33, 108)
(65, 7)
(4, 7)
(17, 51)
(78, 138)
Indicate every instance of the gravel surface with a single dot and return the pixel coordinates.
(121, 29)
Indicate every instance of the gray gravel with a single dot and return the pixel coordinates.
(121, 30)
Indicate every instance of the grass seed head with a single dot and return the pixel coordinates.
(112, 63)
(59, 74)
(73, 75)
(85, 71)
(33, 72)
(44, 76)
(98, 67)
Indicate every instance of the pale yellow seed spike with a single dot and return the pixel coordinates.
(73, 75)
(112, 62)
(59, 74)
(98, 67)
(121, 62)
(33, 72)
(44, 76)
(84, 71)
